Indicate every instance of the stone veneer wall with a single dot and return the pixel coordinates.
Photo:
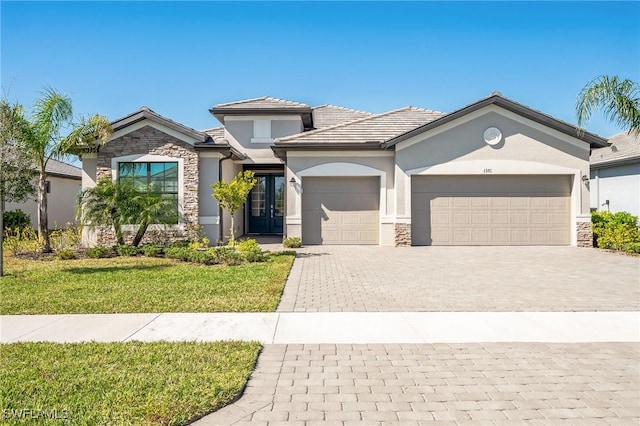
(402, 234)
(585, 234)
(148, 140)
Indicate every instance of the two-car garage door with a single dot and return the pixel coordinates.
(490, 210)
(340, 210)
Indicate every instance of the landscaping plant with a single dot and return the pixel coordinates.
(232, 195)
(616, 231)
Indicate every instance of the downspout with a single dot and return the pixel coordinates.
(221, 228)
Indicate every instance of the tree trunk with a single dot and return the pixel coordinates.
(231, 231)
(43, 223)
(141, 230)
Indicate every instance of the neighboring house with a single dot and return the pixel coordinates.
(615, 175)
(492, 173)
(63, 188)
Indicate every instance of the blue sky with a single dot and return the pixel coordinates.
(181, 58)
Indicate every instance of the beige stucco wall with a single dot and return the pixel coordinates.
(208, 206)
(343, 163)
(240, 132)
(61, 203)
(526, 148)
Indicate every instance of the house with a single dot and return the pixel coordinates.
(494, 172)
(615, 175)
(63, 187)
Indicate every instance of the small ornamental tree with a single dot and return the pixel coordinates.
(232, 195)
(120, 203)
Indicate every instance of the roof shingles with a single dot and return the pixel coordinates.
(624, 147)
(330, 115)
(265, 102)
(373, 128)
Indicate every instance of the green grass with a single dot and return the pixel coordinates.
(140, 285)
(121, 383)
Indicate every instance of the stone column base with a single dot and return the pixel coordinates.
(585, 234)
(402, 234)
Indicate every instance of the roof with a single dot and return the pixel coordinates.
(497, 99)
(330, 115)
(60, 169)
(147, 113)
(624, 149)
(265, 105)
(216, 133)
(370, 130)
(265, 102)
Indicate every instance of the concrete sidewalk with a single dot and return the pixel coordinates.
(330, 328)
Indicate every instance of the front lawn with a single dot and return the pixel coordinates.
(121, 383)
(138, 284)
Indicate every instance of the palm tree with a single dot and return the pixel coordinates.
(620, 100)
(52, 113)
(119, 203)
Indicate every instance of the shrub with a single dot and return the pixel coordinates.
(152, 250)
(21, 240)
(633, 248)
(228, 255)
(188, 254)
(616, 231)
(283, 253)
(69, 237)
(250, 251)
(66, 254)
(100, 252)
(16, 219)
(126, 250)
(292, 242)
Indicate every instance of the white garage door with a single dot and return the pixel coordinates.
(490, 210)
(340, 210)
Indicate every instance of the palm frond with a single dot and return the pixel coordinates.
(86, 135)
(618, 99)
(50, 113)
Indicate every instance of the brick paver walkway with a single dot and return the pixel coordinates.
(361, 278)
(478, 383)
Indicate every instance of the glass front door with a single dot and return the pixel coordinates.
(266, 205)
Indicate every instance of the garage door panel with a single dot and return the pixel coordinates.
(503, 210)
(344, 210)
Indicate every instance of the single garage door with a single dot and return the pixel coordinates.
(490, 210)
(340, 210)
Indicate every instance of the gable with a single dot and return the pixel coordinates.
(523, 140)
(158, 126)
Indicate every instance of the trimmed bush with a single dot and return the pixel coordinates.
(251, 251)
(126, 250)
(66, 254)
(228, 255)
(292, 242)
(100, 252)
(152, 250)
(15, 219)
(616, 231)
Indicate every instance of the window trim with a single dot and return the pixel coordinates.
(151, 158)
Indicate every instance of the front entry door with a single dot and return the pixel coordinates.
(266, 205)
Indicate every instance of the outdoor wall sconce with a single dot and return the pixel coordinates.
(585, 179)
(292, 182)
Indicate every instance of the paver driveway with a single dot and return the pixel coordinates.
(361, 278)
(473, 383)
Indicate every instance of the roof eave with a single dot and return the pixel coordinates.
(303, 112)
(615, 163)
(280, 149)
